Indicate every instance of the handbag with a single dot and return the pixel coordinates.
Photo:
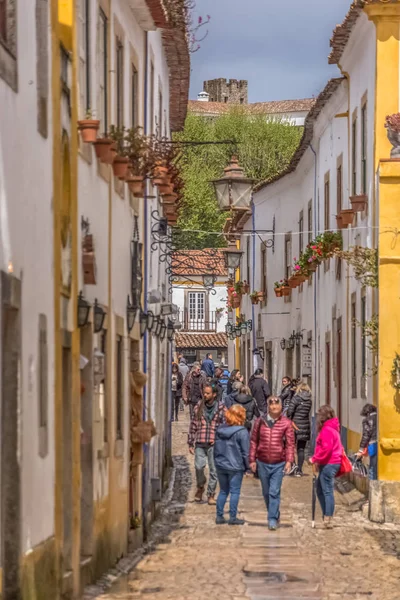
(345, 465)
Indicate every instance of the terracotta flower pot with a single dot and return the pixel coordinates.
(88, 129)
(261, 296)
(313, 266)
(359, 203)
(136, 185)
(165, 189)
(278, 292)
(347, 215)
(236, 300)
(254, 300)
(161, 172)
(285, 290)
(169, 198)
(293, 282)
(301, 278)
(120, 166)
(339, 221)
(102, 148)
(394, 138)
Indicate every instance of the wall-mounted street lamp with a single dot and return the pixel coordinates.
(233, 189)
(170, 331)
(130, 315)
(98, 317)
(259, 352)
(83, 311)
(209, 281)
(243, 327)
(142, 323)
(283, 344)
(150, 320)
(232, 256)
(163, 331)
(238, 331)
(158, 324)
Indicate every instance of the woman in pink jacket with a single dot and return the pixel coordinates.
(326, 460)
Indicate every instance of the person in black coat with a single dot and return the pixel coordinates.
(234, 376)
(230, 400)
(287, 393)
(260, 390)
(245, 399)
(299, 412)
(368, 444)
(176, 386)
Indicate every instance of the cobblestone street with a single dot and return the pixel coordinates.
(199, 560)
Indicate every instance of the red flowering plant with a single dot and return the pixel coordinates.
(393, 122)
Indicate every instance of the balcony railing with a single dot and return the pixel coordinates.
(197, 322)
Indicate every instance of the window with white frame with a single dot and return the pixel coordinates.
(84, 57)
(102, 71)
(196, 309)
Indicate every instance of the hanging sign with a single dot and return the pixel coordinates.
(306, 362)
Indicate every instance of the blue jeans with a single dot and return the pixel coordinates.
(202, 456)
(373, 467)
(325, 487)
(230, 483)
(271, 477)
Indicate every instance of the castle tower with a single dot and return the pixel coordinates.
(231, 91)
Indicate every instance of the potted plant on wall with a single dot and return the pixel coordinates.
(88, 128)
(121, 160)
(136, 150)
(236, 300)
(278, 289)
(102, 147)
(246, 287)
(347, 215)
(392, 124)
(254, 298)
(239, 288)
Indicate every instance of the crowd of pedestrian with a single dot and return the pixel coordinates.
(237, 429)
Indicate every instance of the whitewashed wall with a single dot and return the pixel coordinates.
(26, 241)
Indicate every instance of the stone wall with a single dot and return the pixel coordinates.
(231, 91)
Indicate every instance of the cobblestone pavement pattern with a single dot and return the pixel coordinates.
(199, 560)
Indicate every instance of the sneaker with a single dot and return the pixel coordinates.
(328, 522)
(220, 520)
(236, 521)
(292, 471)
(299, 473)
(272, 525)
(199, 495)
(211, 500)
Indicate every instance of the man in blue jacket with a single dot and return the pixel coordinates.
(208, 366)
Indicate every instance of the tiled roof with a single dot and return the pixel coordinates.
(199, 262)
(175, 42)
(308, 132)
(267, 108)
(341, 33)
(201, 340)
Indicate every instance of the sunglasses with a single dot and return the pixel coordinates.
(274, 401)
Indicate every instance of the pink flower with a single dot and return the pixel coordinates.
(297, 268)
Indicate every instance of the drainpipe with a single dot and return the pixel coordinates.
(253, 274)
(313, 438)
(145, 293)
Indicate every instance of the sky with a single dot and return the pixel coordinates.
(279, 46)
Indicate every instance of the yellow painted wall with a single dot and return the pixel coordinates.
(387, 21)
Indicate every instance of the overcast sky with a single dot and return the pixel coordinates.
(280, 47)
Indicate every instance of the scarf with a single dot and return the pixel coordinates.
(210, 410)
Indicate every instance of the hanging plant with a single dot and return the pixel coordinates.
(396, 372)
(254, 297)
(364, 262)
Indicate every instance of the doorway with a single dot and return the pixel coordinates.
(86, 442)
(67, 456)
(328, 373)
(339, 370)
(10, 464)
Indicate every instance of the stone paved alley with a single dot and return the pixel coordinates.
(199, 561)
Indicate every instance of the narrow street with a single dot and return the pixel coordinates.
(199, 560)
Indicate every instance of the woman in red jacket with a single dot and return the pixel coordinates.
(272, 452)
(326, 460)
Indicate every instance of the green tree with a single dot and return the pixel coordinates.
(264, 146)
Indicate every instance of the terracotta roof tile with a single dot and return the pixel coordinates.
(341, 33)
(308, 132)
(201, 340)
(158, 12)
(267, 108)
(199, 262)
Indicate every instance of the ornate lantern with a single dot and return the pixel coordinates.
(233, 190)
(99, 316)
(83, 311)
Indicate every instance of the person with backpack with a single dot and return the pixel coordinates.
(231, 457)
(230, 400)
(369, 444)
(327, 460)
(260, 390)
(208, 415)
(299, 411)
(245, 399)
